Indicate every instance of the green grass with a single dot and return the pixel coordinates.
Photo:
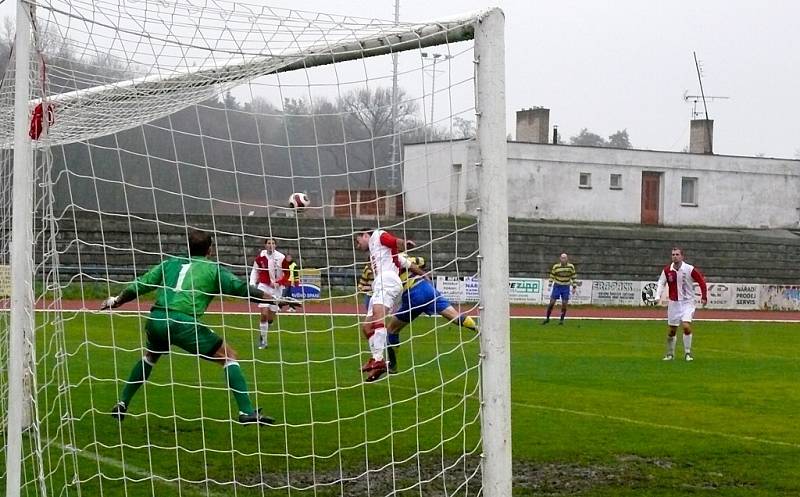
(595, 412)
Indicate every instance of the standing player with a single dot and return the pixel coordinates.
(419, 297)
(383, 250)
(365, 293)
(267, 274)
(680, 277)
(563, 276)
(184, 288)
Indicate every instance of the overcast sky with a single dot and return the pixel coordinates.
(625, 64)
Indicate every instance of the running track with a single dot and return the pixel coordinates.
(317, 308)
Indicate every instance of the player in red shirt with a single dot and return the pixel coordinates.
(679, 278)
(383, 248)
(268, 275)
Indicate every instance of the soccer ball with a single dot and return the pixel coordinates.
(299, 201)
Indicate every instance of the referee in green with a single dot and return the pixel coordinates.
(184, 288)
(563, 276)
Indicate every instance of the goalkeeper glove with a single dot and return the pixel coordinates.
(110, 303)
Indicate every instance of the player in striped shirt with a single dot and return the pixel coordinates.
(563, 276)
(383, 248)
(184, 288)
(419, 297)
(679, 279)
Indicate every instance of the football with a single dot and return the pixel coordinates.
(299, 201)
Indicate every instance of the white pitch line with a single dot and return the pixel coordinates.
(745, 438)
(137, 471)
(571, 318)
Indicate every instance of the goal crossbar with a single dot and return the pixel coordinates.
(140, 100)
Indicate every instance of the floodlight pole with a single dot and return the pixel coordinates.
(490, 109)
(21, 319)
(395, 145)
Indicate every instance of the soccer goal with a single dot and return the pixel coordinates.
(132, 133)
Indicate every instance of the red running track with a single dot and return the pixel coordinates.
(516, 311)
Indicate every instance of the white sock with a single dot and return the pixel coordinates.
(264, 327)
(670, 345)
(687, 343)
(377, 343)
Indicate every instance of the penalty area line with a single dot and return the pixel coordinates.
(650, 424)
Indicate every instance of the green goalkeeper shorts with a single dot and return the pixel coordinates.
(180, 330)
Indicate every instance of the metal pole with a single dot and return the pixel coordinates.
(21, 325)
(493, 235)
(394, 101)
(433, 89)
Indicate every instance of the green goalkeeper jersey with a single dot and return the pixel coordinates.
(188, 284)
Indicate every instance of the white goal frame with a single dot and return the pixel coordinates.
(487, 29)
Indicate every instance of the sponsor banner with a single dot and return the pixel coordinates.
(310, 286)
(648, 294)
(306, 291)
(472, 289)
(5, 281)
(780, 297)
(580, 294)
(745, 296)
(720, 295)
(525, 290)
(310, 276)
(616, 292)
(451, 287)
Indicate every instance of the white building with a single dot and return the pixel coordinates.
(560, 182)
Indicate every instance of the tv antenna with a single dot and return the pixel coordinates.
(702, 97)
(699, 98)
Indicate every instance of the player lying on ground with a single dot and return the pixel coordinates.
(184, 288)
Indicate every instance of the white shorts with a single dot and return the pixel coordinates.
(680, 311)
(385, 291)
(272, 292)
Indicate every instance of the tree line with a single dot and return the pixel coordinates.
(222, 153)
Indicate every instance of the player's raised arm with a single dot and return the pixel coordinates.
(399, 244)
(145, 283)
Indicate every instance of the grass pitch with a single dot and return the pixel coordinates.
(595, 412)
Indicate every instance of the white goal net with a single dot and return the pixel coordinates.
(150, 125)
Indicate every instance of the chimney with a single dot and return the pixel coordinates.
(701, 136)
(533, 125)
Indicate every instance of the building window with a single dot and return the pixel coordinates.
(585, 180)
(689, 191)
(616, 182)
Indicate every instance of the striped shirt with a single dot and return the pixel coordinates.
(563, 274)
(409, 279)
(365, 280)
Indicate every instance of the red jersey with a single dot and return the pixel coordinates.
(680, 282)
(268, 268)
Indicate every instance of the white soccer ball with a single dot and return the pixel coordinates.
(299, 201)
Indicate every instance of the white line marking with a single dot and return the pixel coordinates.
(745, 438)
(533, 317)
(188, 488)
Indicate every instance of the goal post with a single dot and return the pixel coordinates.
(160, 117)
(493, 228)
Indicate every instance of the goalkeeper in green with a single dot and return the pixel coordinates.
(184, 288)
